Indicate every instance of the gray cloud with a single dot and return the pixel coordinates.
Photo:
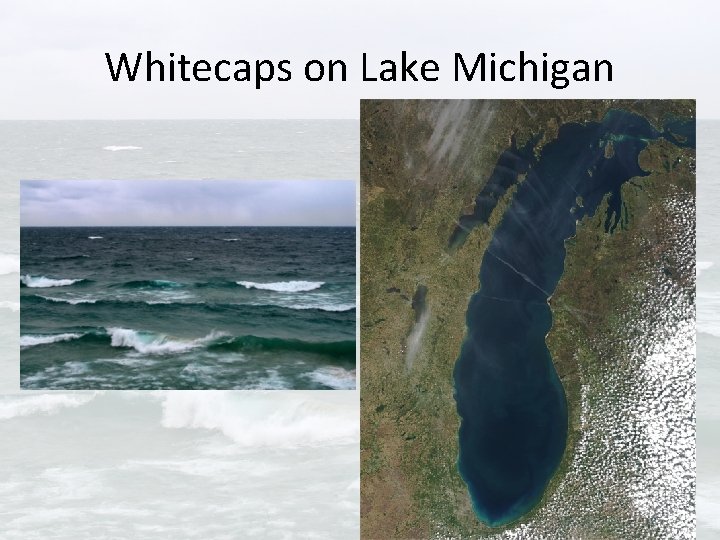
(186, 202)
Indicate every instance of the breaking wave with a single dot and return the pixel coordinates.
(12, 406)
(6, 304)
(703, 265)
(338, 308)
(155, 343)
(9, 264)
(69, 300)
(31, 341)
(42, 281)
(150, 343)
(283, 286)
(255, 419)
(334, 377)
(114, 148)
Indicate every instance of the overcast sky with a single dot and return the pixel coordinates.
(53, 65)
(186, 202)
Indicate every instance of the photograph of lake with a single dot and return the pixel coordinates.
(187, 285)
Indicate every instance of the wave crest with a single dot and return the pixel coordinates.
(334, 377)
(11, 406)
(13, 306)
(42, 281)
(258, 419)
(9, 264)
(149, 343)
(117, 148)
(72, 301)
(32, 341)
(703, 265)
(283, 286)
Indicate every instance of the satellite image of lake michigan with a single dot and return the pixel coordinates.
(528, 322)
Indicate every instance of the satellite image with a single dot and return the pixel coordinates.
(528, 319)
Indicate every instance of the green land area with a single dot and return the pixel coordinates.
(624, 305)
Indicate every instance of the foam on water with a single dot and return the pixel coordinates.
(73, 301)
(703, 265)
(43, 282)
(31, 341)
(334, 377)
(13, 406)
(13, 306)
(115, 148)
(283, 286)
(251, 419)
(322, 306)
(9, 264)
(150, 343)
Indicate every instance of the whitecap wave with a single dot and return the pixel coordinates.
(150, 343)
(260, 419)
(72, 301)
(337, 308)
(324, 307)
(13, 306)
(334, 377)
(283, 286)
(116, 148)
(42, 281)
(95, 237)
(32, 341)
(12, 406)
(703, 265)
(231, 239)
(9, 264)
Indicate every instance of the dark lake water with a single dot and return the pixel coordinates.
(512, 405)
(187, 307)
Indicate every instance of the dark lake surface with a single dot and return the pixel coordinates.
(187, 307)
(512, 405)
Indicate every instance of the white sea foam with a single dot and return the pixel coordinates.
(94, 237)
(305, 306)
(9, 264)
(149, 343)
(13, 306)
(231, 239)
(12, 406)
(272, 380)
(703, 265)
(32, 341)
(708, 312)
(42, 281)
(334, 377)
(114, 148)
(324, 307)
(283, 286)
(73, 301)
(256, 419)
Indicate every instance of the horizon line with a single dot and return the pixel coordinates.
(131, 226)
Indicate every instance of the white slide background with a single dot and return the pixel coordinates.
(119, 465)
